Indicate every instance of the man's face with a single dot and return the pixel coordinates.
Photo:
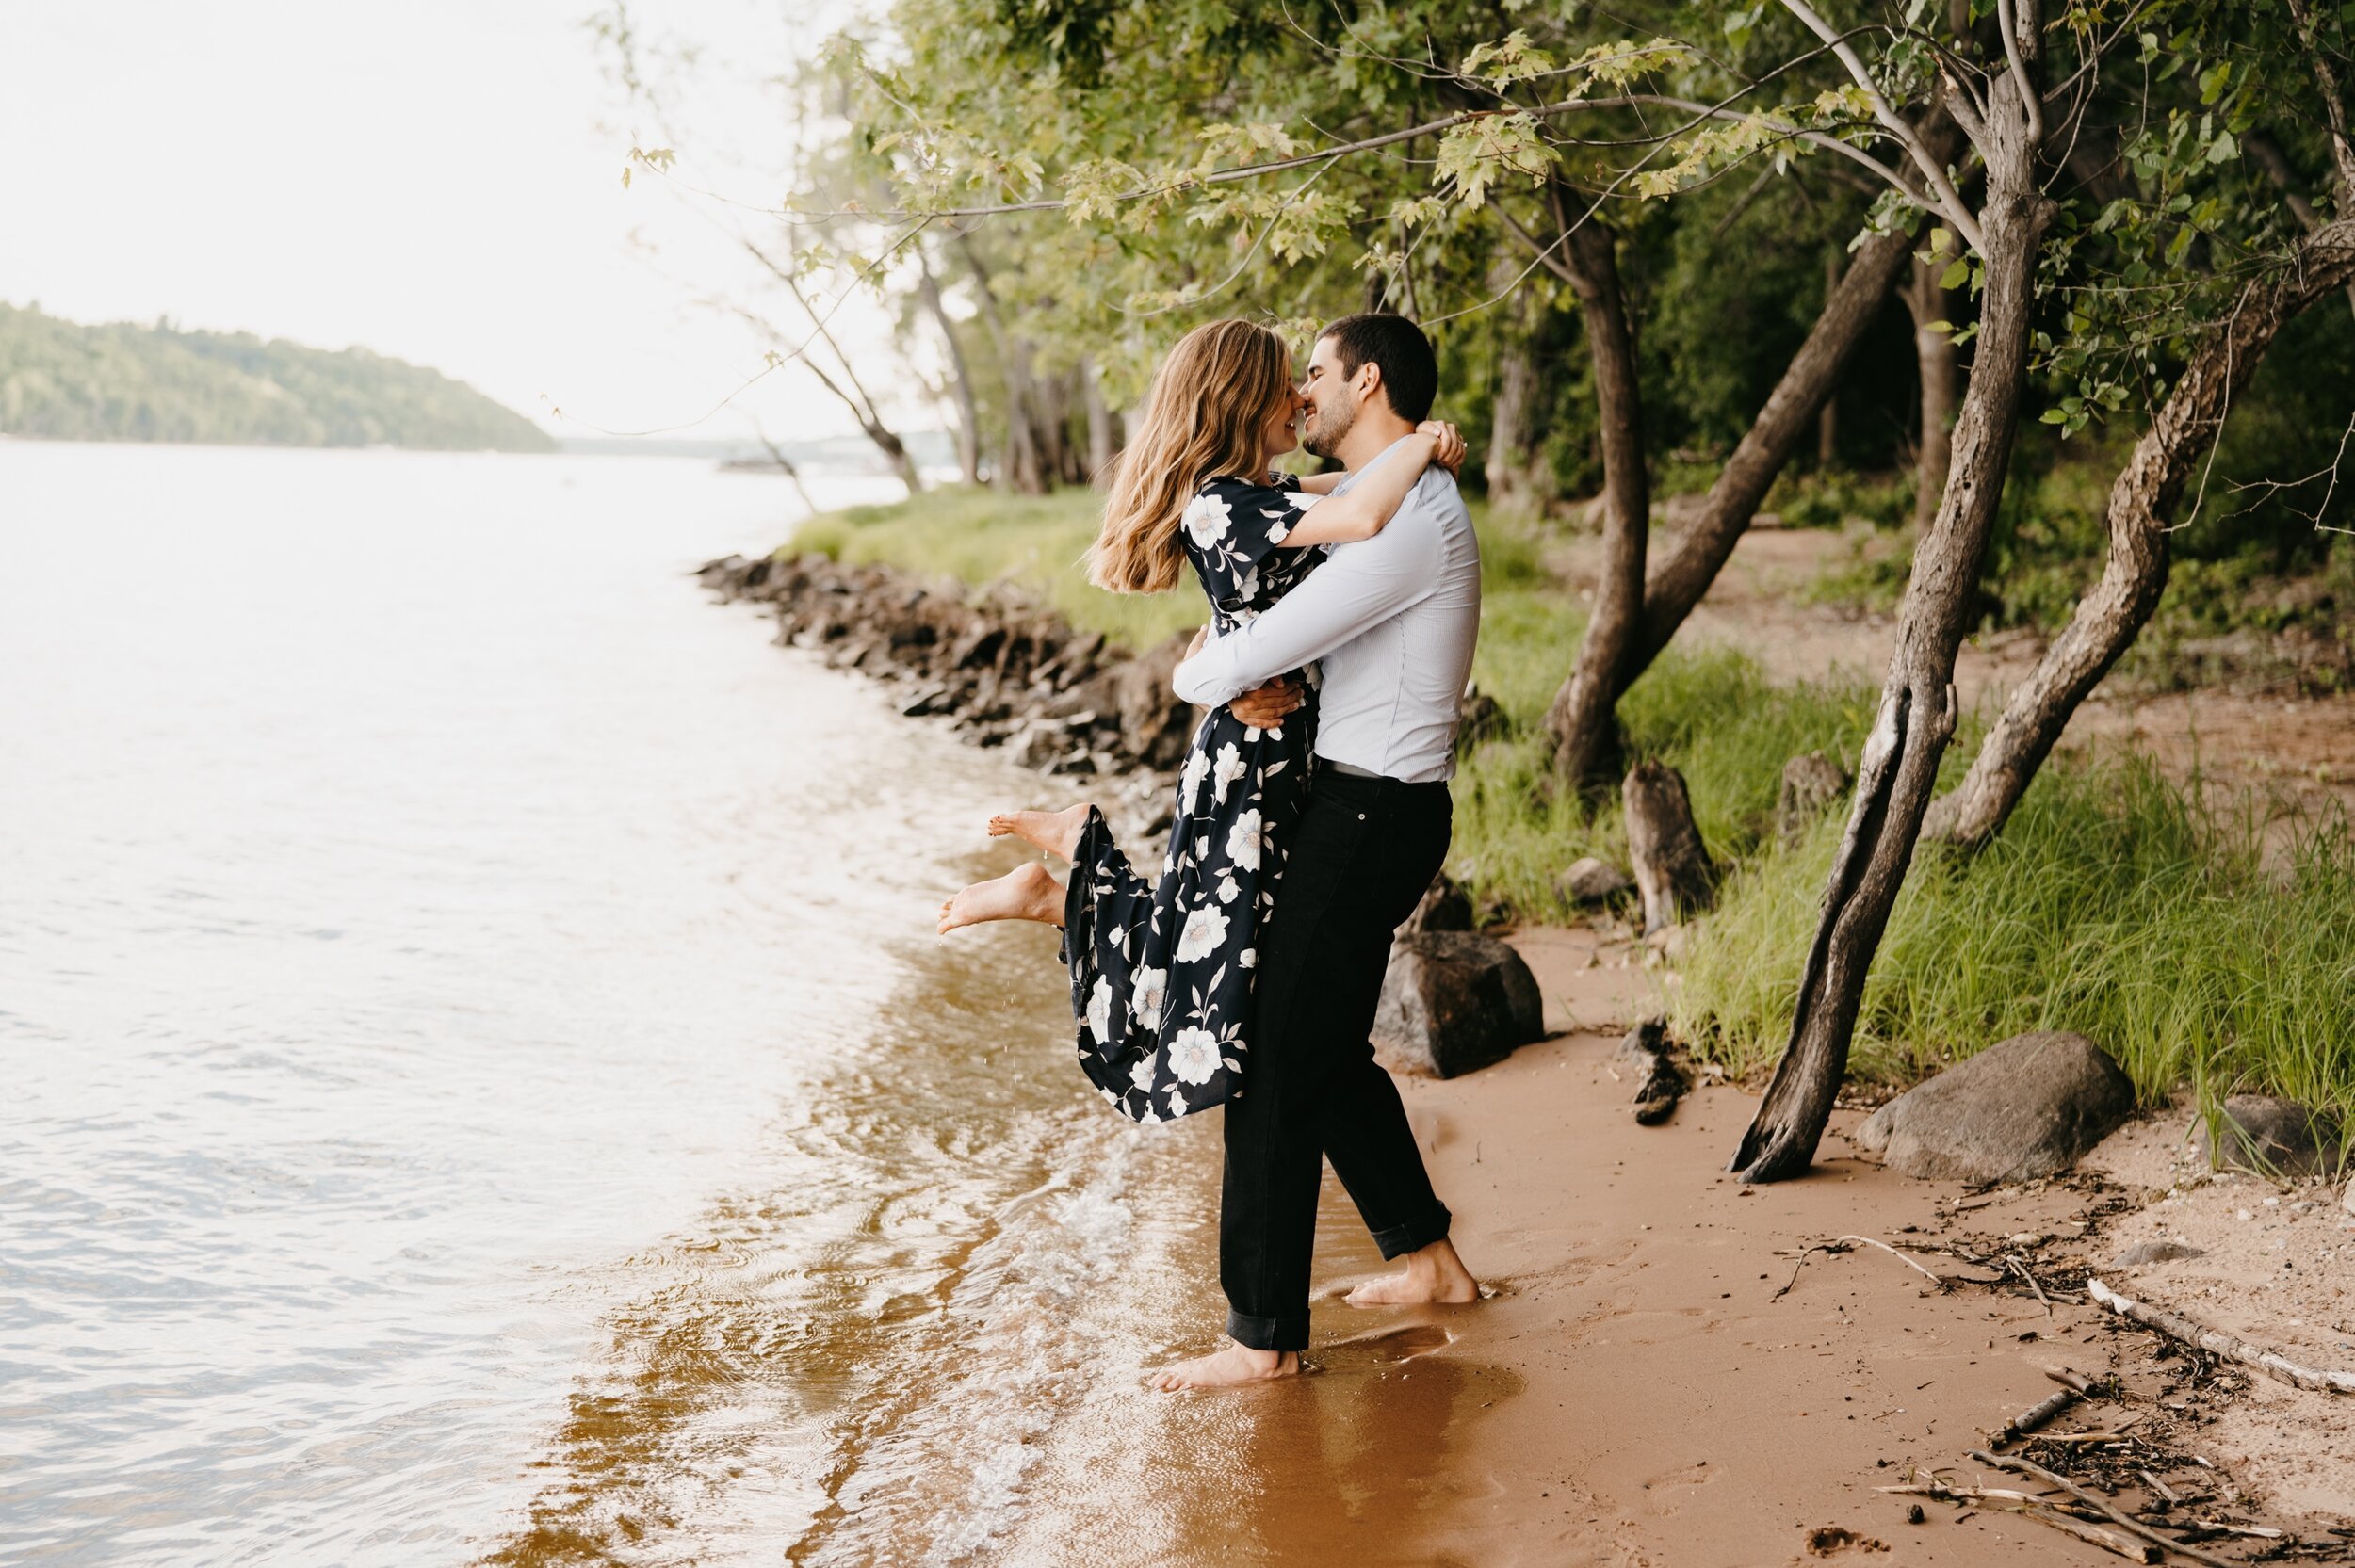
(1328, 400)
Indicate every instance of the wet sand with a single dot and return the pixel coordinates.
(1642, 1389)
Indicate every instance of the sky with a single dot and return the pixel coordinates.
(439, 181)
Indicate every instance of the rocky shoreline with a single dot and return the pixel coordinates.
(1004, 673)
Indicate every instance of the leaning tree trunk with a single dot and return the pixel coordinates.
(1940, 373)
(1774, 437)
(1585, 735)
(1103, 433)
(1511, 413)
(1827, 417)
(960, 377)
(2141, 505)
(1899, 767)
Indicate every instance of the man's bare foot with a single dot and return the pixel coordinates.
(1435, 1273)
(1025, 892)
(1231, 1367)
(1055, 832)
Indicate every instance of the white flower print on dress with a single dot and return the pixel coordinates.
(1230, 767)
(1227, 888)
(1146, 988)
(1193, 1055)
(1206, 927)
(1101, 1011)
(1206, 520)
(1247, 959)
(1142, 1074)
(1243, 841)
(1189, 782)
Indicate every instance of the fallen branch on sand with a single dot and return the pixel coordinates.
(2094, 1501)
(2042, 1510)
(2073, 1386)
(2218, 1342)
(1841, 1244)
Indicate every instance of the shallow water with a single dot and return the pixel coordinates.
(480, 1086)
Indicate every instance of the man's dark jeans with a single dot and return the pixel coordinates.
(1362, 856)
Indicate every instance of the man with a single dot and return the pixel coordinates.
(1393, 619)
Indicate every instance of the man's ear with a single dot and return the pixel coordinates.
(1368, 383)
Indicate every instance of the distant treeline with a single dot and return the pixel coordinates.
(125, 382)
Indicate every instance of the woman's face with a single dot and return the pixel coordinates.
(1281, 432)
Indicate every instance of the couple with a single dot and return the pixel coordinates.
(1312, 812)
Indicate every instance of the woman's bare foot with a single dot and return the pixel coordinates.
(1434, 1273)
(1231, 1367)
(1025, 892)
(1055, 832)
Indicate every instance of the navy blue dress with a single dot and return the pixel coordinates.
(1162, 970)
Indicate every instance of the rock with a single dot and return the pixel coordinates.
(1037, 746)
(1672, 870)
(2272, 1137)
(1156, 723)
(1454, 1001)
(1445, 907)
(1481, 718)
(2026, 1106)
(2156, 1252)
(1589, 881)
(1658, 1083)
(1811, 784)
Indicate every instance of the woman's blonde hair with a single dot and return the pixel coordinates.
(1211, 399)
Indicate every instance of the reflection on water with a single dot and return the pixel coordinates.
(477, 1092)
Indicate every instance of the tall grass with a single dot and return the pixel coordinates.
(2117, 904)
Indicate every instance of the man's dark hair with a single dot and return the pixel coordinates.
(1410, 372)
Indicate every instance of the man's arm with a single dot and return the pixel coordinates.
(1361, 585)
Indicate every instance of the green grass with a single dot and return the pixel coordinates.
(2115, 904)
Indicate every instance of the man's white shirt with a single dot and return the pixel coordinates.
(1393, 617)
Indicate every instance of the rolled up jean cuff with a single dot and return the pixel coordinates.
(1268, 1334)
(1413, 1237)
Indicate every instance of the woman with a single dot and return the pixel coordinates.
(1160, 972)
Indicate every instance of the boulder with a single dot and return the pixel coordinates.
(1454, 1001)
(1156, 723)
(1810, 782)
(1445, 907)
(2274, 1138)
(1480, 718)
(2026, 1106)
(1588, 881)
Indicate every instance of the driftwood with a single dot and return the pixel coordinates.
(2094, 1501)
(1659, 1085)
(1841, 1244)
(2072, 1389)
(1672, 870)
(2218, 1342)
(2030, 1506)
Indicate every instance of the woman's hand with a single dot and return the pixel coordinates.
(1450, 455)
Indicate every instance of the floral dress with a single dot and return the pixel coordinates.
(1162, 971)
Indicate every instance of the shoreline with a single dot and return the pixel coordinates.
(1662, 1378)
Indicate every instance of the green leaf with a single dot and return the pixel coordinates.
(1954, 276)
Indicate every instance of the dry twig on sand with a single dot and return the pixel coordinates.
(2045, 1511)
(2073, 1387)
(2094, 1501)
(2021, 1269)
(1841, 1244)
(2220, 1343)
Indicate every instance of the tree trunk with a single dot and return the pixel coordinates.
(1828, 418)
(1934, 357)
(1511, 413)
(1018, 460)
(1899, 767)
(1103, 433)
(1707, 543)
(1584, 730)
(1673, 871)
(960, 377)
(2141, 507)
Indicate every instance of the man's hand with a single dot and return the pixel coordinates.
(1450, 453)
(1264, 708)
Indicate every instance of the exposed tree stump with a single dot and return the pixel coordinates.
(1809, 785)
(1672, 870)
(1659, 1085)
